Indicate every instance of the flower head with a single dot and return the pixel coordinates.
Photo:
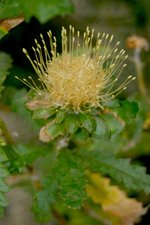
(137, 42)
(84, 75)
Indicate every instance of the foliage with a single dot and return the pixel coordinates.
(120, 170)
(5, 64)
(70, 179)
(42, 10)
(3, 186)
(115, 203)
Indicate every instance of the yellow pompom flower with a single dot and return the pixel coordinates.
(83, 76)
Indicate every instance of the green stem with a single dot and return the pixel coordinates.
(5, 132)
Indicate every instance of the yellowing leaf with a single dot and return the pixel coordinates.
(8, 24)
(121, 209)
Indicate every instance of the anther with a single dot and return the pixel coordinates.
(111, 38)
(115, 50)
(24, 50)
(107, 35)
(129, 77)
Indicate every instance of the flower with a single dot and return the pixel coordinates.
(83, 76)
(137, 42)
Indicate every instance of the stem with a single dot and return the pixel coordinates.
(139, 71)
(6, 134)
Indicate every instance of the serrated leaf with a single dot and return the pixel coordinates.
(72, 123)
(70, 178)
(3, 188)
(118, 208)
(88, 122)
(102, 131)
(3, 201)
(3, 172)
(44, 199)
(132, 176)
(5, 64)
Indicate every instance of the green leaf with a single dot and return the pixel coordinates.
(10, 8)
(82, 134)
(115, 124)
(30, 152)
(128, 110)
(3, 188)
(88, 122)
(70, 178)
(45, 10)
(3, 201)
(60, 116)
(102, 131)
(3, 156)
(22, 155)
(72, 123)
(54, 130)
(5, 64)
(132, 176)
(3, 172)
(43, 113)
(44, 199)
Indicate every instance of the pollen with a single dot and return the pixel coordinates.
(83, 76)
